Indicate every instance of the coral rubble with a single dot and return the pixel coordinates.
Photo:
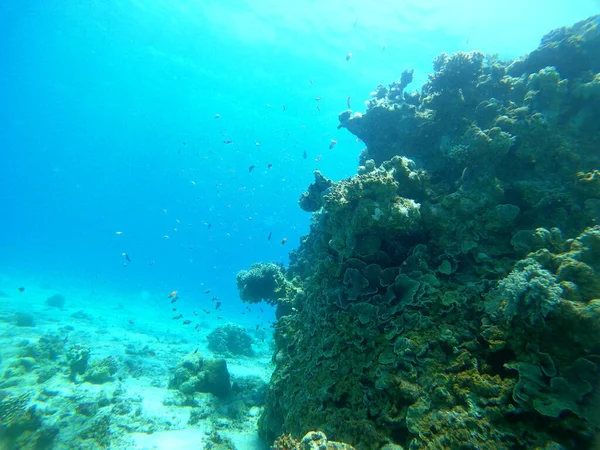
(448, 295)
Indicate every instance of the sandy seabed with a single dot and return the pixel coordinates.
(133, 408)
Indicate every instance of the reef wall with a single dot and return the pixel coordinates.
(448, 295)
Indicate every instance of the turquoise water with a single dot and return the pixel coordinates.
(181, 134)
(108, 116)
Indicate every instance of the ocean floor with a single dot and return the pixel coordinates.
(95, 372)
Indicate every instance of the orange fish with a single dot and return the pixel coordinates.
(172, 294)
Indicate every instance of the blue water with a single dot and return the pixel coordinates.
(107, 125)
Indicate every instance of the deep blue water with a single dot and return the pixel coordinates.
(107, 124)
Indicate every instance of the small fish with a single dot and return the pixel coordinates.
(207, 311)
(126, 256)
(195, 351)
(217, 116)
(21, 289)
(218, 305)
(318, 108)
(257, 326)
(269, 237)
(207, 291)
(311, 81)
(304, 154)
(250, 169)
(215, 298)
(283, 241)
(195, 313)
(174, 299)
(173, 309)
(172, 294)
(151, 262)
(318, 158)
(219, 317)
(283, 107)
(269, 165)
(177, 317)
(348, 56)
(332, 144)
(227, 141)
(348, 102)
(119, 233)
(151, 353)
(318, 99)
(131, 322)
(166, 236)
(187, 322)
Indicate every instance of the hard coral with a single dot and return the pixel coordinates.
(449, 289)
(230, 340)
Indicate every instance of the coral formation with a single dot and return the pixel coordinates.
(56, 301)
(313, 440)
(267, 281)
(230, 340)
(447, 295)
(196, 374)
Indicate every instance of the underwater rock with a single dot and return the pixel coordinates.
(195, 374)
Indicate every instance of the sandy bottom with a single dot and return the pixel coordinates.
(133, 408)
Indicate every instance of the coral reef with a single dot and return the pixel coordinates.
(313, 440)
(195, 374)
(101, 371)
(267, 281)
(56, 301)
(447, 295)
(21, 425)
(230, 340)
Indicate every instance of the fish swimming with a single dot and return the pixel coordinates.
(332, 144)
